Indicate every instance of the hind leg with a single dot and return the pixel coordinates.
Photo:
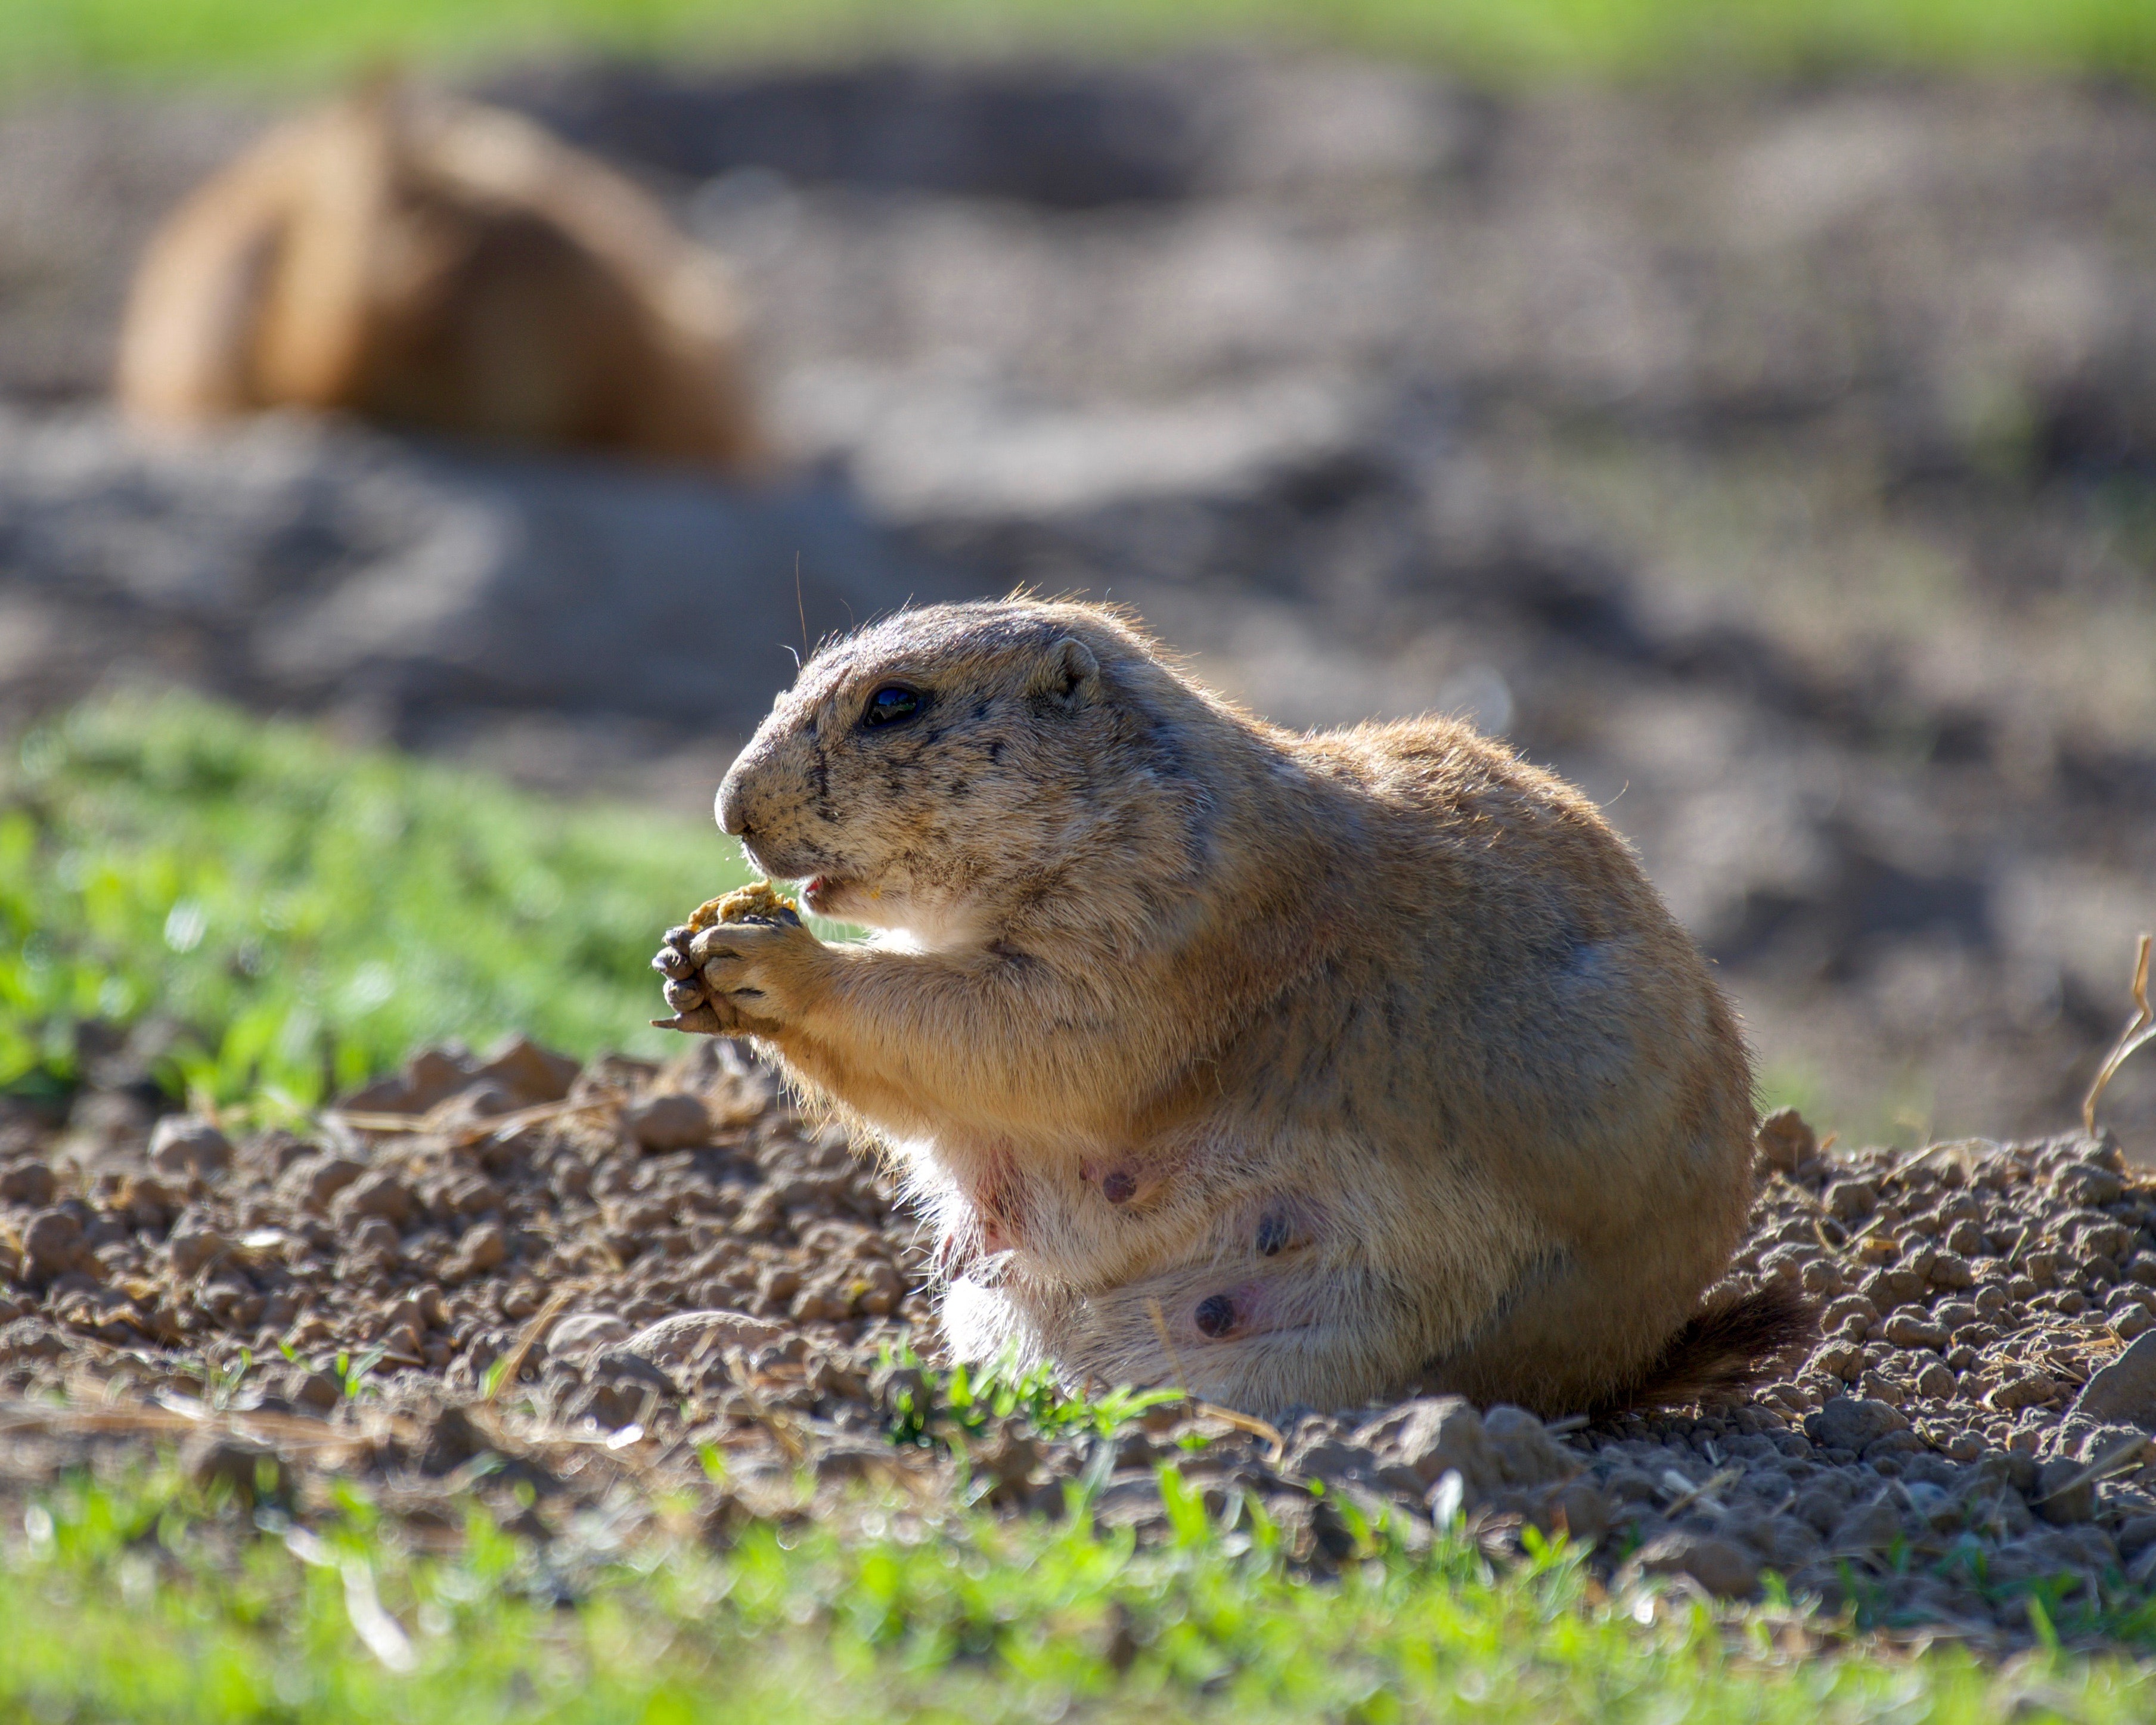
(1571, 1331)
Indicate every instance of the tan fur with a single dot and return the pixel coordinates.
(443, 266)
(1380, 1036)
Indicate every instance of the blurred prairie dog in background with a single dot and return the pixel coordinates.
(434, 264)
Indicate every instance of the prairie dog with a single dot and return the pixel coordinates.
(1368, 1060)
(445, 266)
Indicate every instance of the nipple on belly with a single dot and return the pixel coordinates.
(1258, 1307)
(1125, 1184)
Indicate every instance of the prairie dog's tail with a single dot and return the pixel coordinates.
(1723, 1348)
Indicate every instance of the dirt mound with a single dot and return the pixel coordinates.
(627, 1277)
(428, 595)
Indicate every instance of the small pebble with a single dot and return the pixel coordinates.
(183, 1144)
(1723, 1568)
(668, 1122)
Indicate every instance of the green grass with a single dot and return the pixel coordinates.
(1496, 38)
(142, 1601)
(297, 916)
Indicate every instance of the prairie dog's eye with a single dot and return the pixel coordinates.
(893, 704)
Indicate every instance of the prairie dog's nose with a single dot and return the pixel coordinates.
(730, 808)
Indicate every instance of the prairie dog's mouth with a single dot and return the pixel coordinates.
(821, 891)
(850, 901)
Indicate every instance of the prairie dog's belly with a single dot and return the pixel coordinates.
(1226, 1198)
(1085, 1217)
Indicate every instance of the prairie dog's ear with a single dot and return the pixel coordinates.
(1068, 672)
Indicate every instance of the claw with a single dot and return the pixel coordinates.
(698, 1021)
(674, 963)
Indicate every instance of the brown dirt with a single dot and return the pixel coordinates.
(1945, 1446)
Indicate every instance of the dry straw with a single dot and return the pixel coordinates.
(2137, 1034)
(1249, 1423)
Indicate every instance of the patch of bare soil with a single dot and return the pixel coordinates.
(562, 1288)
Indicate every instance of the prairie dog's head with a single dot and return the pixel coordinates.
(931, 771)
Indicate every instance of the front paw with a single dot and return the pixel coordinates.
(757, 967)
(693, 1012)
